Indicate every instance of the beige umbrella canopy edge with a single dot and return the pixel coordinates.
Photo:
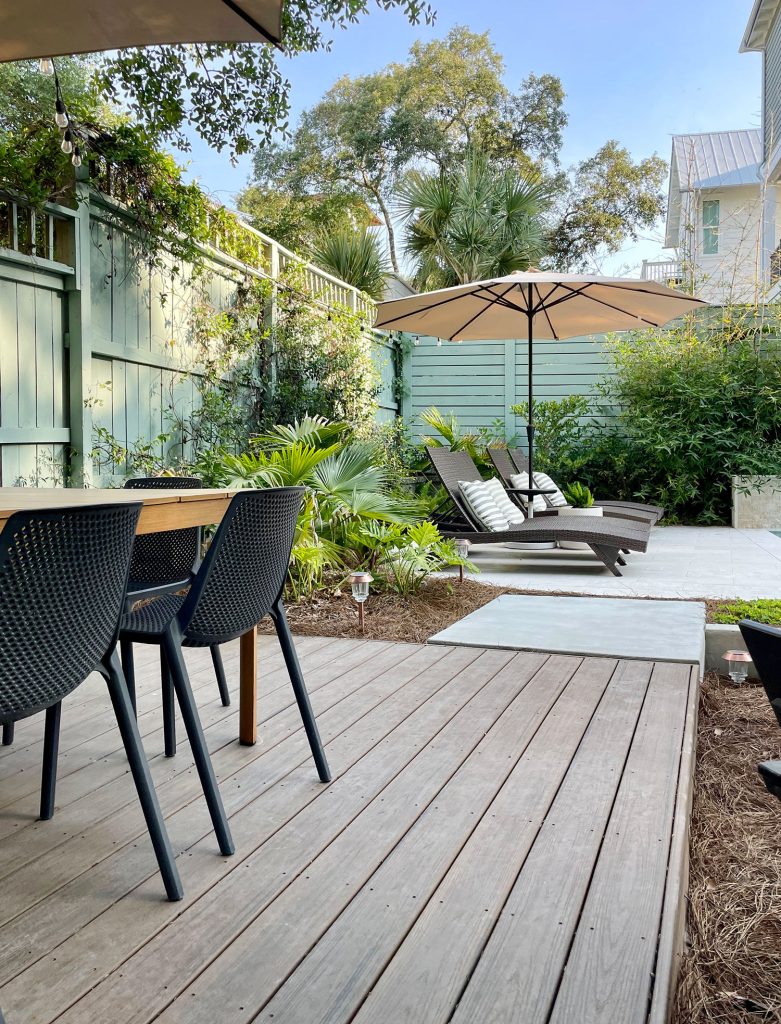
(561, 306)
(51, 28)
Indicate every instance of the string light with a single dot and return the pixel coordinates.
(61, 115)
(76, 158)
(439, 343)
(67, 141)
(46, 66)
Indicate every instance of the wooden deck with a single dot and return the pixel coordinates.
(504, 841)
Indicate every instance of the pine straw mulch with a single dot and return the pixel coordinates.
(440, 602)
(731, 972)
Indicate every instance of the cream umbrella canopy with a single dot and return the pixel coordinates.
(51, 28)
(535, 304)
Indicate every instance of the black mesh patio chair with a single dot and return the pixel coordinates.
(654, 512)
(63, 577)
(607, 538)
(239, 582)
(764, 645)
(505, 467)
(164, 563)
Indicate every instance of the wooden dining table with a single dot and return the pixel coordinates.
(162, 510)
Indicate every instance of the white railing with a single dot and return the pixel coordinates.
(663, 271)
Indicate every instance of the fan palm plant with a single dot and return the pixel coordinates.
(354, 256)
(472, 222)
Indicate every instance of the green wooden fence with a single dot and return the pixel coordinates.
(480, 381)
(90, 336)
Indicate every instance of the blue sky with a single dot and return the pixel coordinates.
(636, 73)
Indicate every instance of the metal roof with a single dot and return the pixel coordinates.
(716, 159)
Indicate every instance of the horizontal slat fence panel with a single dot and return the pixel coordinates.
(480, 381)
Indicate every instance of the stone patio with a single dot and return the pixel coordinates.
(681, 562)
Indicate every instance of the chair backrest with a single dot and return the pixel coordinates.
(519, 457)
(764, 646)
(244, 570)
(63, 575)
(162, 559)
(503, 464)
(451, 467)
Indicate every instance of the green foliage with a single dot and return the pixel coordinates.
(578, 495)
(559, 431)
(698, 404)
(355, 257)
(230, 94)
(401, 558)
(353, 515)
(762, 610)
(606, 200)
(297, 221)
(450, 435)
(471, 222)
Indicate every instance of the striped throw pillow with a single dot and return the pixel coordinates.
(508, 508)
(522, 480)
(544, 482)
(482, 506)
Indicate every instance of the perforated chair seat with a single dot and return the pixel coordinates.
(148, 622)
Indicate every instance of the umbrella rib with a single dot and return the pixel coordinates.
(545, 311)
(471, 320)
(252, 23)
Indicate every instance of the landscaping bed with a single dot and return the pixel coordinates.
(731, 972)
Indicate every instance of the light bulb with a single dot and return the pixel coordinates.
(439, 343)
(60, 117)
(76, 158)
(46, 66)
(67, 142)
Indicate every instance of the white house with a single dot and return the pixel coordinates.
(723, 214)
(715, 206)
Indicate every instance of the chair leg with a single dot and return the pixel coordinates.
(219, 670)
(51, 745)
(129, 671)
(299, 688)
(169, 710)
(8, 733)
(192, 723)
(620, 559)
(608, 556)
(131, 739)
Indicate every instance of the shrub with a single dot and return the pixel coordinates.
(762, 610)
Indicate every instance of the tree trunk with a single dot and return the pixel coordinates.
(391, 233)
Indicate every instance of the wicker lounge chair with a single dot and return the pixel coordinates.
(606, 538)
(518, 456)
(505, 467)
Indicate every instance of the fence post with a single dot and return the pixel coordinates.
(80, 341)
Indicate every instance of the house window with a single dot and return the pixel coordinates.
(710, 227)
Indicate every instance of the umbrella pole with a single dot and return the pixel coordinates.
(530, 417)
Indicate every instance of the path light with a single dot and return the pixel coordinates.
(359, 581)
(738, 662)
(462, 546)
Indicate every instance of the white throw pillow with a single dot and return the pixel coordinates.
(544, 482)
(481, 504)
(521, 481)
(507, 507)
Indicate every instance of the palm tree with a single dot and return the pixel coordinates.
(472, 222)
(354, 256)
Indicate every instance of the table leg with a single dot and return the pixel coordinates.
(248, 688)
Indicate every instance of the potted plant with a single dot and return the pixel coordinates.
(580, 502)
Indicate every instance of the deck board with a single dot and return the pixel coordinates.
(504, 840)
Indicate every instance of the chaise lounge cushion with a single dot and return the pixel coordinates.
(521, 482)
(544, 482)
(481, 504)
(512, 513)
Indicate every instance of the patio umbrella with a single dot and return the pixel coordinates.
(50, 28)
(540, 304)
